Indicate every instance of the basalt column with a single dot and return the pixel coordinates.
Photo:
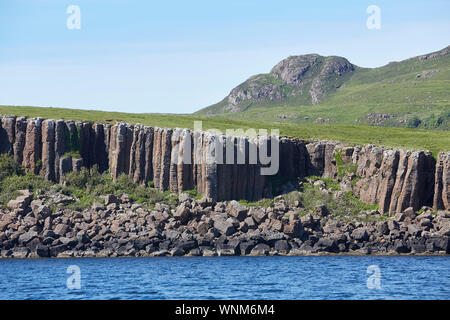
(210, 166)
(157, 157)
(413, 186)
(185, 166)
(316, 159)
(120, 149)
(100, 148)
(48, 150)
(260, 180)
(148, 170)
(441, 198)
(137, 155)
(198, 160)
(7, 134)
(20, 136)
(166, 147)
(387, 176)
(174, 160)
(32, 151)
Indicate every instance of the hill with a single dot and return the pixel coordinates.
(413, 93)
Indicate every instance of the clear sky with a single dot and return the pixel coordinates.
(179, 56)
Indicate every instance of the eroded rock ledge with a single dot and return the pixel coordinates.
(395, 179)
(29, 228)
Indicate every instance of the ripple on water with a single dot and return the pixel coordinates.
(337, 277)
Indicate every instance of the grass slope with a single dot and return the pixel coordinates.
(434, 141)
(395, 90)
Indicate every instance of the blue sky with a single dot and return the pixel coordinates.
(179, 56)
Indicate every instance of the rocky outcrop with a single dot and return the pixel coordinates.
(181, 159)
(44, 227)
(33, 146)
(7, 134)
(441, 199)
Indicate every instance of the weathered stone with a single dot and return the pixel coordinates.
(48, 150)
(293, 229)
(182, 214)
(258, 214)
(237, 210)
(22, 201)
(224, 227)
(33, 147)
(360, 234)
(441, 198)
(20, 135)
(260, 249)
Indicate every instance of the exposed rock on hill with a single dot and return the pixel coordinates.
(309, 76)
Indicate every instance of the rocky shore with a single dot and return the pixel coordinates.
(42, 226)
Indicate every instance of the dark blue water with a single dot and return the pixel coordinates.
(335, 277)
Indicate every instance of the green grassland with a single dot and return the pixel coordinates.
(433, 140)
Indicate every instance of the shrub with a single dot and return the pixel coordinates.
(413, 122)
(10, 185)
(342, 167)
(88, 185)
(345, 207)
(9, 167)
(291, 197)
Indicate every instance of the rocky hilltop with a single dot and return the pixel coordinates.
(311, 88)
(394, 179)
(308, 78)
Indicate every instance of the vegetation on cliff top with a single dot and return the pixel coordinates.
(434, 141)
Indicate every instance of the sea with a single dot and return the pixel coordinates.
(227, 278)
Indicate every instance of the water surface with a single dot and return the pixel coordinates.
(324, 277)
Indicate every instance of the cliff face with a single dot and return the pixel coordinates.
(180, 159)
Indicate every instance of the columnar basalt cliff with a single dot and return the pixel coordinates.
(180, 159)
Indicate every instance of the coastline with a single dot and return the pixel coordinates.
(120, 228)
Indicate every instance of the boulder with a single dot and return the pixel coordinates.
(22, 201)
(360, 234)
(293, 229)
(60, 229)
(225, 227)
(237, 210)
(258, 214)
(260, 249)
(246, 247)
(182, 214)
(282, 246)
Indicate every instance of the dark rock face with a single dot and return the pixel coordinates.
(179, 159)
(32, 229)
(441, 199)
(7, 134)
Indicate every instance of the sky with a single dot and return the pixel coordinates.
(180, 56)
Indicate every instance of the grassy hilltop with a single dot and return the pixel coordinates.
(433, 140)
(412, 93)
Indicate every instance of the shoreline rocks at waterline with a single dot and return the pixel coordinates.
(44, 228)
